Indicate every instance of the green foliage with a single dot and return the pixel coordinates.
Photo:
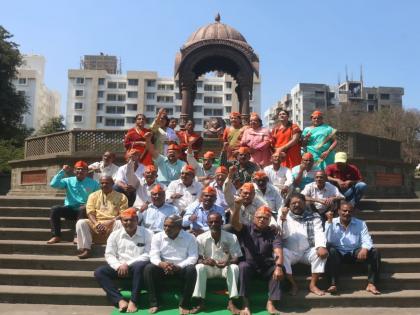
(8, 151)
(54, 124)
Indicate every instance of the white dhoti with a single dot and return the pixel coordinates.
(307, 257)
(86, 233)
(230, 273)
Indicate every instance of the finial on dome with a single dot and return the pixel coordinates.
(217, 18)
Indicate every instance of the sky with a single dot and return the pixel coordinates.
(296, 41)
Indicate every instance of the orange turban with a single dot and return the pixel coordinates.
(150, 168)
(209, 155)
(80, 164)
(265, 209)
(248, 187)
(209, 190)
(222, 170)
(254, 114)
(316, 113)
(173, 147)
(235, 114)
(243, 150)
(308, 156)
(128, 213)
(157, 189)
(188, 169)
(260, 175)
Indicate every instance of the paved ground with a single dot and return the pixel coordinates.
(42, 309)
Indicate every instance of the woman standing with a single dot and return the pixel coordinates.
(258, 139)
(134, 139)
(319, 139)
(163, 134)
(232, 135)
(189, 137)
(287, 139)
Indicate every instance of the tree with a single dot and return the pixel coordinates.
(12, 104)
(54, 124)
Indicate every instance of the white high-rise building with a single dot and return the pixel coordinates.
(43, 103)
(98, 99)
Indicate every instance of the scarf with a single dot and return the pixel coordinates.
(307, 218)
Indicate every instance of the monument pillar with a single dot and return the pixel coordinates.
(244, 92)
(187, 95)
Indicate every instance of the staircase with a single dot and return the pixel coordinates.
(33, 272)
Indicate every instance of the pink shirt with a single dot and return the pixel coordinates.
(260, 141)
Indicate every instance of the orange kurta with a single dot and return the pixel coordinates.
(185, 139)
(134, 135)
(282, 136)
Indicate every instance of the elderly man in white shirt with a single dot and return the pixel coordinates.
(218, 252)
(144, 187)
(106, 167)
(184, 191)
(217, 183)
(127, 253)
(267, 192)
(156, 213)
(304, 241)
(174, 253)
(321, 195)
(204, 171)
(280, 176)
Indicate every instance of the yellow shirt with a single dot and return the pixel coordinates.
(106, 207)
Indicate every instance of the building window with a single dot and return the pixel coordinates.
(80, 80)
(228, 85)
(114, 122)
(151, 83)
(149, 120)
(228, 97)
(371, 97)
(99, 119)
(165, 87)
(122, 85)
(115, 110)
(121, 97)
(133, 82)
(165, 99)
(177, 96)
(371, 108)
(177, 109)
(111, 97)
(208, 87)
(132, 94)
(150, 96)
(319, 93)
(208, 112)
(250, 109)
(78, 106)
(21, 93)
(228, 109)
(218, 112)
(112, 85)
(169, 111)
(199, 96)
(176, 84)
(100, 94)
(100, 106)
(150, 108)
(101, 81)
(384, 96)
(130, 120)
(199, 84)
(131, 106)
(217, 88)
(22, 81)
(77, 119)
(79, 92)
(213, 100)
(198, 121)
(197, 109)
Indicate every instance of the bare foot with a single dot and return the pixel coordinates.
(294, 290)
(54, 239)
(183, 311)
(153, 309)
(85, 253)
(75, 241)
(332, 289)
(271, 308)
(122, 305)
(315, 290)
(232, 308)
(372, 289)
(245, 311)
(197, 308)
(132, 307)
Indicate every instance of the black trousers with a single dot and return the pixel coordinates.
(154, 278)
(131, 196)
(105, 276)
(69, 213)
(335, 259)
(247, 271)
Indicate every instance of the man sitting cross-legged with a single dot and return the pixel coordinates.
(78, 188)
(127, 253)
(263, 255)
(304, 241)
(218, 252)
(349, 242)
(103, 209)
(173, 253)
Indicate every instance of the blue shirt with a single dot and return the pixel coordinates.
(201, 222)
(168, 171)
(154, 217)
(347, 240)
(307, 176)
(77, 191)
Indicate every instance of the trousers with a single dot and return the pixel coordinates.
(69, 213)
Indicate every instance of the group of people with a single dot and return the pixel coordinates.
(166, 213)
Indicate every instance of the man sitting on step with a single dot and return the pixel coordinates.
(78, 188)
(349, 242)
(103, 209)
(127, 253)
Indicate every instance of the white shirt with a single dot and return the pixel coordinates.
(101, 170)
(295, 234)
(182, 251)
(143, 193)
(271, 197)
(199, 168)
(122, 248)
(220, 201)
(312, 190)
(154, 217)
(189, 194)
(228, 246)
(280, 178)
(124, 176)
